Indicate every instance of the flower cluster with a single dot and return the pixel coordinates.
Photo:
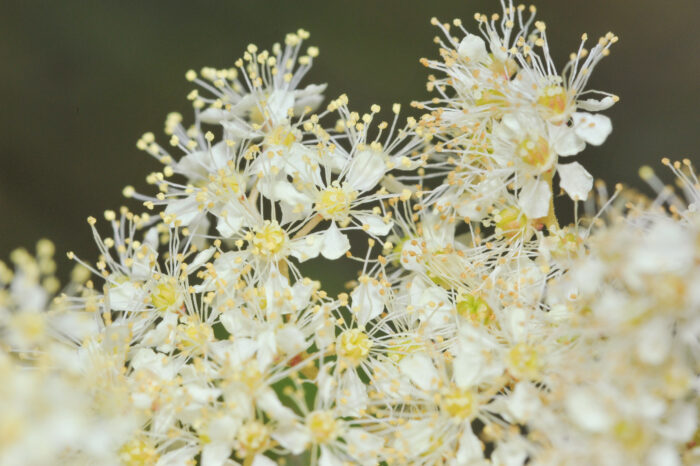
(478, 331)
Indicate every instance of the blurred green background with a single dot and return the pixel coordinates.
(81, 81)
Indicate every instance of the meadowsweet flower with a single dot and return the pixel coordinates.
(478, 331)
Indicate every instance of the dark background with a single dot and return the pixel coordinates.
(81, 81)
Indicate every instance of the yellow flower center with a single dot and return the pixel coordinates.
(334, 202)
(138, 452)
(630, 434)
(354, 346)
(322, 425)
(253, 436)
(256, 115)
(195, 333)
(269, 239)
(489, 97)
(457, 403)
(403, 346)
(228, 181)
(511, 221)
(553, 102)
(524, 361)
(249, 375)
(505, 69)
(535, 152)
(165, 295)
(566, 244)
(475, 309)
(281, 135)
(30, 325)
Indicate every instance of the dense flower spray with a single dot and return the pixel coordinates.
(480, 330)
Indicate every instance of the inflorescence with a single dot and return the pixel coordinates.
(480, 330)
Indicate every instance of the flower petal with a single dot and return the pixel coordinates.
(420, 369)
(473, 47)
(307, 247)
(595, 105)
(534, 198)
(367, 302)
(593, 129)
(575, 180)
(567, 143)
(292, 437)
(377, 225)
(334, 243)
(365, 171)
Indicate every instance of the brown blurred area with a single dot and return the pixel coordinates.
(82, 80)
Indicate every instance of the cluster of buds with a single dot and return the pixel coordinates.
(478, 331)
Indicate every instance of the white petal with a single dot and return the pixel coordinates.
(367, 302)
(593, 129)
(575, 180)
(272, 406)
(215, 454)
(523, 402)
(470, 447)
(310, 96)
(200, 163)
(681, 422)
(151, 238)
(365, 171)
(588, 411)
(292, 437)
(663, 455)
(279, 103)
(213, 115)
(291, 340)
(185, 210)
(420, 369)
(411, 253)
(180, 457)
(510, 125)
(516, 322)
(125, 297)
(595, 105)
(354, 393)
(473, 47)
(307, 247)
(262, 460)
(363, 444)
(328, 458)
(511, 452)
(229, 225)
(200, 259)
(239, 130)
(567, 143)
(377, 226)
(534, 198)
(654, 341)
(334, 243)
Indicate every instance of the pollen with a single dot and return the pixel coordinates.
(354, 346)
(165, 295)
(535, 152)
(269, 239)
(510, 220)
(322, 425)
(253, 436)
(553, 103)
(333, 203)
(524, 361)
(458, 403)
(138, 452)
(475, 309)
